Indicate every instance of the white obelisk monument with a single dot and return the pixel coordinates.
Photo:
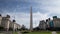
(31, 21)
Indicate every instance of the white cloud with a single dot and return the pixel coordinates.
(52, 6)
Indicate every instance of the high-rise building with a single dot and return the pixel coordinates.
(31, 21)
(56, 22)
(42, 25)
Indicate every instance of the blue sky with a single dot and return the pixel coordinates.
(42, 9)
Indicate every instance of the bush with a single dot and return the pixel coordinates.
(1, 28)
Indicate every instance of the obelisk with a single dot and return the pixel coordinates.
(31, 21)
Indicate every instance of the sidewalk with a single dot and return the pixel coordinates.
(10, 32)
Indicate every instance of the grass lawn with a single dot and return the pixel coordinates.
(58, 32)
(15, 33)
(41, 32)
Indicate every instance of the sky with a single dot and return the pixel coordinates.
(20, 9)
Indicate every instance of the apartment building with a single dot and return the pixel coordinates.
(7, 23)
(42, 25)
(56, 22)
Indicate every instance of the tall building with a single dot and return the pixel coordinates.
(47, 23)
(5, 22)
(56, 22)
(31, 21)
(42, 25)
(0, 19)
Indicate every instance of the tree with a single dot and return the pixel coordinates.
(36, 28)
(24, 28)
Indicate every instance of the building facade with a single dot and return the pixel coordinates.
(14, 25)
(6, 23)
(0, 19)
(42, 25)
(56, 22)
